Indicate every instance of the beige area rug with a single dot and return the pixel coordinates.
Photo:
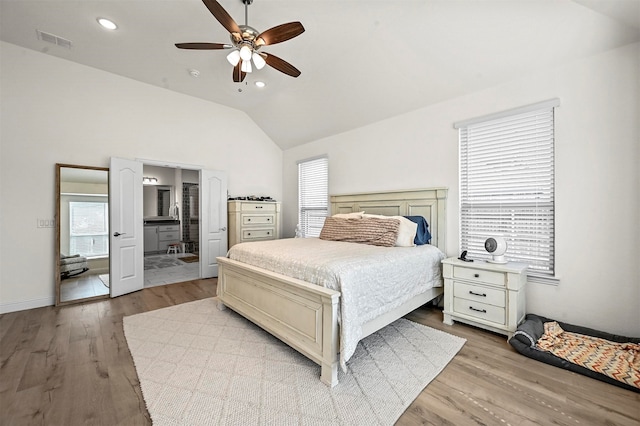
(105, 279)
(201, 366)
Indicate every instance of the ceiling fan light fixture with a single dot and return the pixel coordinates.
(245, 53)
(246, 66)
(234, 57)
(258, 61)
(260, 84)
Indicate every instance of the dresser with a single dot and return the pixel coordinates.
(483, 294)
(253, 221)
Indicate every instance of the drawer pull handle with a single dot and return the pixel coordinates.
(477, 294)
(268, 233)
(258, 207)
(248, 233)
(476, 275)
(248, 220)
(484, 311)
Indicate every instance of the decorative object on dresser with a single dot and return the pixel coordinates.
(253, 221)
(486, 295)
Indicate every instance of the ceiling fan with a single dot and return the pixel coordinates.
(247, 41)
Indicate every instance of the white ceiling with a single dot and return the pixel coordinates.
(361, 61)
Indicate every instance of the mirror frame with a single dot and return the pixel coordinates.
(58, 281)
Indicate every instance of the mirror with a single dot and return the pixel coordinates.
(82, 233)
(158, 200)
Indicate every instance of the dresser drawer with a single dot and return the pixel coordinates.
(480, 276)
(168, 236)
(254, 219)
(479, 310)
(258, 207)
(165, 228)
(256, 234)
(491, 296)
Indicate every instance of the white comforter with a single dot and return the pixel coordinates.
(372, 280)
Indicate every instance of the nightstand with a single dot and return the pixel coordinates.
(483, 294)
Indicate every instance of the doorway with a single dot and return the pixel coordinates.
(171, 225)
(128, 223)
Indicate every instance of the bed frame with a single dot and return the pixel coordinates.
(304, 315)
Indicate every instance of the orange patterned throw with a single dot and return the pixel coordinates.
(620, 361)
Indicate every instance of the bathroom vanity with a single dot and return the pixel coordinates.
(159, 232)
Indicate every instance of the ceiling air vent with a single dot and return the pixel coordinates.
(54, 39)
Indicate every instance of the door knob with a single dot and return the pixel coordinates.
(224, 228)
(117, 234)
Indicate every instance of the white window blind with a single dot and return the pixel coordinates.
(313, 195)
(507, 186)
(89, 228)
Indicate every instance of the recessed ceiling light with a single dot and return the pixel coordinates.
(260, 84)
(110, 25)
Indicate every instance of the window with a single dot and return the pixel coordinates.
(313, 195)
(507, 186)
(89, 228)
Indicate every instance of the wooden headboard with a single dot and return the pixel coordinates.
(430, 203)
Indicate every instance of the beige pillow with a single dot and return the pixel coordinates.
(353, 215)
(370, 230)
(406, 231)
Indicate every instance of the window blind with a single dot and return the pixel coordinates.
(89, 228)
(507, 187)
(313, 195)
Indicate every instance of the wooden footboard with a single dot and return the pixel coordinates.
(303, 315)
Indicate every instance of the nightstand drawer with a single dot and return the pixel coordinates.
(255, 234)
(479, 310)
(257, 219)
(490, 296)
(259, 207)
(478, 275)
(165, 228)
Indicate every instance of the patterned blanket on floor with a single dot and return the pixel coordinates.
(620, 361)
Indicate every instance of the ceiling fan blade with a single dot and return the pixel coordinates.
(238, 74)
(203, 46)
(280, 64)
(222, 16)
(279, 34)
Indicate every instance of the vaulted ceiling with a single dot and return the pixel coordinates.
(361, 61)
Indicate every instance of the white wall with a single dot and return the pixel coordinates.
(56, 111)
(597, 178)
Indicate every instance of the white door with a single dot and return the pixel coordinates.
(126, 266)
(213, 221)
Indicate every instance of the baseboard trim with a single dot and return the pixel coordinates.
(26, 304)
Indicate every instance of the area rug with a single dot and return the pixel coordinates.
(160, 262)
(198, 365)
(105, 279)
(190, 259)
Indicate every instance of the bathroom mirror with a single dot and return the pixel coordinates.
(158, 200)
(82, 233)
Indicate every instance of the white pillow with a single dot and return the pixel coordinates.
(406, 231)
(354, 215)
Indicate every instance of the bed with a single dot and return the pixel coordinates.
(306, 316)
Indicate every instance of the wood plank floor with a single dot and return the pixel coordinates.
(71, 366)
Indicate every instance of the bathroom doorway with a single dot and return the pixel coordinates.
(172, 224)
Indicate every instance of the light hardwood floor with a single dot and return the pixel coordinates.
(71, 366)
